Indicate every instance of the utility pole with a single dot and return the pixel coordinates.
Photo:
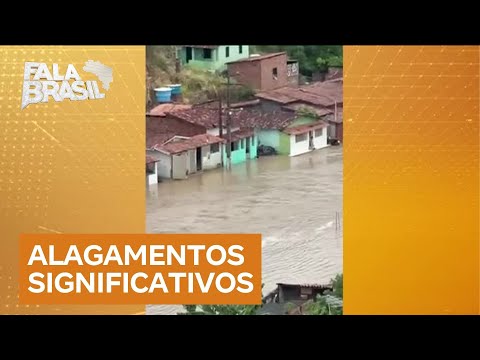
(229, 126)
(220, 125)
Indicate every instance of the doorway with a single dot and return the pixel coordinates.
(247, 145)
(189, 51)
(310, 140)
(199, 159)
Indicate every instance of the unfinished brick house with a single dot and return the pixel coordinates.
(261, 72)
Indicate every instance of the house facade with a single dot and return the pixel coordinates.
(260, 72)
(244, 141)
(151, 171)
(302, 135)
(211, 57)
(180, 156)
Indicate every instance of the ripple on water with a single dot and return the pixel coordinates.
(292, 202)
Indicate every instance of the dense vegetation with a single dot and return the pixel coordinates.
(199, 85)
(311, 58)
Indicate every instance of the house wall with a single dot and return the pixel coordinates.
(297, 148)
(269, 137)
(211, 160)
(268, 82)
(170, 124)
(233, 56)
(321, 141)
(253, 146)
(247, 73)
(164, 166)
(284, 144)
(191, 161)
(153, 178)
(240, 155)
(293, 74)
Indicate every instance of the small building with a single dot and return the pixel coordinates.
(291, 299)
(293, 73)
(287, 131)
(243, 146)
(180, 156)
(244, 141)
(325, 97)
(151, 170)
(261, 72)
(211, 57)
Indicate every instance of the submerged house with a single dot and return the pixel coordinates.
(211, 57)
(324, 99)
(286, 131)
(206, 119)
(181, 156)
(151, 170)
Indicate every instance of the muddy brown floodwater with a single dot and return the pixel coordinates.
(292, 201)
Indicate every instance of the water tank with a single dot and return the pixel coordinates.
(176, 89)
(163, 94)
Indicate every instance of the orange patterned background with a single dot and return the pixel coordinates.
(411, 179)
(70, 167)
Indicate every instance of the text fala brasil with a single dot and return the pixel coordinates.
(40, 84)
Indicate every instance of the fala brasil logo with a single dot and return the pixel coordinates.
(41, 82)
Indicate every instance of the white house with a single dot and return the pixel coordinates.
(306, 138)
(182, 156)
(151, 170)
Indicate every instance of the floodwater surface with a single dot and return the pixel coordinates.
(294, 202)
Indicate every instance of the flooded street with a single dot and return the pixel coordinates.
(292, 201)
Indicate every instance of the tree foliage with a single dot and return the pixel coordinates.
(322, 305)
(311, 58)
(220, 309)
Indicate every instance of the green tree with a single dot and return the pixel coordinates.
(311, 58)
(220, 309)
(330, 303)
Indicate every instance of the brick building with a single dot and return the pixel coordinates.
(261, 72)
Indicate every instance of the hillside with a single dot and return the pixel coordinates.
(198, 85)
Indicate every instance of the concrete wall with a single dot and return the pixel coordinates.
(320, 141)
(211, 160)
(234, 54)
(240, 155)
(164, 166)
(153, 178)
(284, 146)
(216, 131)
(219, 57)
(297, 148)
(269, 137)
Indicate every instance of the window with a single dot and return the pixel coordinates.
(214, 148)
(300, 138)
(207, 53)
(318, 132)
(275, 73)
(240, 49)
(227, 51)
(234, 145)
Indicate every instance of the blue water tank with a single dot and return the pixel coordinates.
(163, 94)
(176, 89)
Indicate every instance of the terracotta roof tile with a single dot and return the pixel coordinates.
(180, 145)
(305, 128)
(203, 46)
(320, 94)
(163, 109)
(240, 134)
(316, 110)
